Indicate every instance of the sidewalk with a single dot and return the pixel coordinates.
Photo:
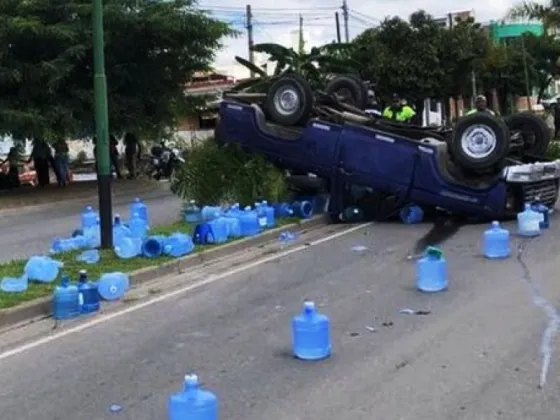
(33, 196)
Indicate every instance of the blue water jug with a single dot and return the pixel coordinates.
(193, 213)
(69, 244)
(88, 295)
(209, 212)
(311, 335)
(544, 212)
(137, 206)
(113, 286)
(431, 271)
(42, 269)
(411, 214)
(283, 210)
(93, 236)
(233, 226)
(203, 234)
(119, 228)
(261, 215)
(496, 242)
(14, 284)
(152, 246)
(352, 214)
(249, 222)
(178, 244)
(137, 226)
(193, 403)
(219, 229)
(89, 217)
(65, 303)
(234, 210)
(269, 214)
(90, 256)
(302, 209)
(127, 248)
(528, 222)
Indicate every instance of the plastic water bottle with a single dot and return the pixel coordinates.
(193, 403)
(203, 234)
(14, 284)
(69, 244)
(178, 245)
(249, 222)
(89, 217)
(128, 247)
(352, 214)
(193, 213)
(88, 296)
(528, 222)
(431, 271)
(411, 214)
(137, 226)
(209, 212)
(234, 210)
(283, 210)
(233, 226)
(119, 229)
(311, 336)
(303, 209)
(496, 242)
(153, 246)
(66, 303)
(137, 206)
(543, 211)
(269, 214)
(42, 269)
(261, 215)
(113, 286)
(91, 256)
(219, 228)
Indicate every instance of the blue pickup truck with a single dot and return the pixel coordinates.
(418, 170)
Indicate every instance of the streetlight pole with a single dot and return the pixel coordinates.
(102, 127)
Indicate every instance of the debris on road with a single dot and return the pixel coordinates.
(371, 329)
(359, 248)
(115, 408)
(408, 311)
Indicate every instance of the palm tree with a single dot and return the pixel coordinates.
(548, 13)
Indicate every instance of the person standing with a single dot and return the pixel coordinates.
(61, 161)
(13, 160)
(114, 154)
(40, 156)
(399, 112)
(132, 151)
(480, 105)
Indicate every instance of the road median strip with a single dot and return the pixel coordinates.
(36, 302)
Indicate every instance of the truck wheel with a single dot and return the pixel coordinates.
(534, 130)
(289, 100)
(350, 89)
(479, 141)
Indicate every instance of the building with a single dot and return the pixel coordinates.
(453, 17)
(503, 32)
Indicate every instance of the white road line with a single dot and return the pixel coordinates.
(209, 280)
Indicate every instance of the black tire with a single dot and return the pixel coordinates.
(300, 90)
(351, 88)
(480, 126)
(535, 132)
(307, 184)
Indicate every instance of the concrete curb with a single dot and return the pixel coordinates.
(41, 308)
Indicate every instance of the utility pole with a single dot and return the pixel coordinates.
(345, 17)
(525, 70)
(102, 127)
(250, 42)
(337, 20)
(301, 40)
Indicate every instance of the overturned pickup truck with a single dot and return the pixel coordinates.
(481, 168)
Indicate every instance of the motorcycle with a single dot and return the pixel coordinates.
(163, 161)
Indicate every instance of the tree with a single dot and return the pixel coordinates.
(46, 63)
(548, 13)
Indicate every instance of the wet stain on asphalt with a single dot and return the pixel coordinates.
(444, 227)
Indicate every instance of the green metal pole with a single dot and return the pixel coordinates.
(102, 127)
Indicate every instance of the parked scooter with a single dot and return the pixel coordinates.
(163, 161)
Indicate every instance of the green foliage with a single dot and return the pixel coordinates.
(214, 174)
(46, 63)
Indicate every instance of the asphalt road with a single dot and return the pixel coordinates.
(476, 356)
(30, 231)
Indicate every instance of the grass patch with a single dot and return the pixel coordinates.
(109, 262)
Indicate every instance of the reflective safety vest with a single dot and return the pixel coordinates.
(405, 114)
(474, 111)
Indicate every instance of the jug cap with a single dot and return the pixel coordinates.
(191, 380)
(65, 280)
(137, 200)
(433, 251)
(265, 203)
(527, 206)
(495, 224)
(248, 208)
(309, 306)
(89, 208)
(192, 201)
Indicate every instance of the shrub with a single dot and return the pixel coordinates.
(553, 151)
(218, 175)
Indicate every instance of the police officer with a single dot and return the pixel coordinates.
(480, 105)
(398, 112)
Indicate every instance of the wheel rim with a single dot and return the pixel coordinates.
(286, 101)
(345, 95)
(478, 141)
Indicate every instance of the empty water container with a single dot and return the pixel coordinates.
(249, 222)
(119, 228)
(93, 236)
(431, 271)
(88, 296)
(261, 215)
(14, 284)
(528, 222)
(496, 242)
(137, 226)
(234, 210)
(113, 286)
(137, 206)
(233, 226)
(70, 244)
(283, 210)
(303, 209)
(66, 304)
(311, 336)
(127, 248)
(90, 256)
(543, 211)
(178, 244)
(193, 403)
(209, 212)
(411, 214)
(352, 214)
(203, 234)
(42, 269)
(269, 214)
(89, 217)
(219, 229)
(152, 246)
(193, 213)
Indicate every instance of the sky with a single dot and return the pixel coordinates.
(278, 21)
